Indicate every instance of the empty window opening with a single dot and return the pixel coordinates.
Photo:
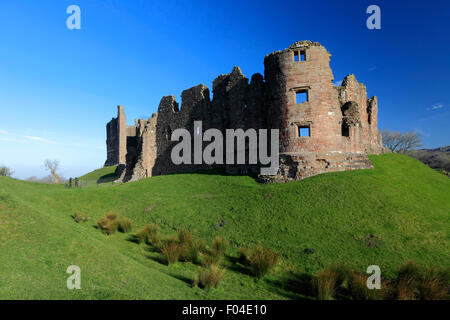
(301, 96)
(303, 131)
(299, 56)
(345, 129)
(369, 114)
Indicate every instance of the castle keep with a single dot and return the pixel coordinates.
(322, 127)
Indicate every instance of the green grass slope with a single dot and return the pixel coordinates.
(397, 212)
(99, 176)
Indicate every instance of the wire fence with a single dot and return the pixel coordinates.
(82, 183)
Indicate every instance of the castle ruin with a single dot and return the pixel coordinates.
(322, 127)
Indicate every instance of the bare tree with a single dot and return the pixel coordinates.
(5, 171)
(52, 166)
(411, 140)
(401, 142)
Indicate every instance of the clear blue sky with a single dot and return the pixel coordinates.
(59, 87)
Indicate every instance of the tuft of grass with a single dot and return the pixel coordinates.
(209, 277)
(325, 284)
(111, 216)
(141, 235)
(408, 270)
(171, 252)
(211, 259)
(408, 278)
(102, 223)
(413, 283)
(107, 226)
(153, 235)
(195, 282)
(148, 234)
(192, 253)
(125, 225)
(262, 261)
(80, 218)
(185, 238)
(406, 288)
(434, 285)
(358, 290)
(219, 246)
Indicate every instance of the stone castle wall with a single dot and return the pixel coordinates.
(341, 121)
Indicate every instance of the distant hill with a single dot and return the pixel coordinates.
(438, 158)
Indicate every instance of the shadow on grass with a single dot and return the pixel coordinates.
(186, 280)
(219, 172)
(158, 259)
(133, 238)
(110, 177)
(236, 266)
(294, 286)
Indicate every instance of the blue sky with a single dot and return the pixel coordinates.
(59, 87)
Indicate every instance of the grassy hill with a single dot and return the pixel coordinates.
(98, 177)
(397, 212)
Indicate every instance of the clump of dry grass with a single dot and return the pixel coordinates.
(325, 284)
(209, 277)
(434, 285)
(262, 260)
(358, 290)
(211, 259)
(171, 251)
(408, 278)
(80, 218)
(219, 246)
(125, 225)
(216, 254)
(148, 234)
(185, 238)
(192, 253)
(411, 283)
(111, 216)
(107, 225)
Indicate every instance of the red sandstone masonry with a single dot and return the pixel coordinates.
(342, 120)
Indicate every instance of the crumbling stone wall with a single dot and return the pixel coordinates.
(116, 139)
(342, 121)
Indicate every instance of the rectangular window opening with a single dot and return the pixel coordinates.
(299, 56)
(302, 56)
(345, 130)
(303, 131)
(301, 96)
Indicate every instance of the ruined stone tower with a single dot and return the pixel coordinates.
(322, 127)
(116, 139)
